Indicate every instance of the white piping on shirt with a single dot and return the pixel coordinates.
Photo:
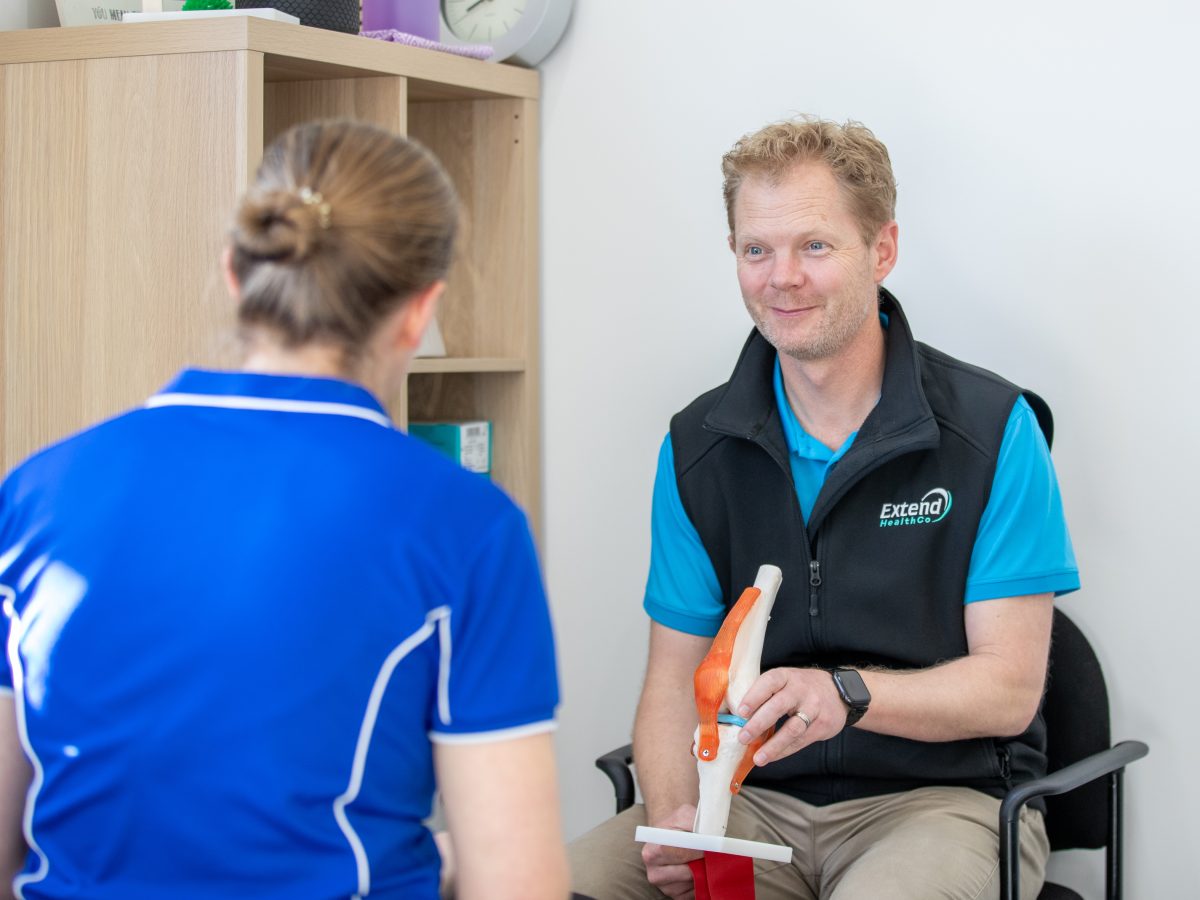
(434, 620)
(500, 734)
(269, 404)
(16, 632)
(444, 670)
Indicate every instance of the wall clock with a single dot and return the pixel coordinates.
(520, 31)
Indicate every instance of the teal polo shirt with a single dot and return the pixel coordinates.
(1023, 546)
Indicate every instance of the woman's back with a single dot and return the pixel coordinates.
(239, 615)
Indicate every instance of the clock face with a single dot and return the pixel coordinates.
(518, 31)
(482, 21)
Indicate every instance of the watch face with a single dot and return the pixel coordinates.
(481, 21)
(853, 688)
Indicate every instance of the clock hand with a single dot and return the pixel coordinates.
(475, 4)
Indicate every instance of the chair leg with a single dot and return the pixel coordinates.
(1010, 860)
(1116, 830)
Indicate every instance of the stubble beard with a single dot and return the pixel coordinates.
(833, 333)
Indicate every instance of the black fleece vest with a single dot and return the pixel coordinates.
(878, 574)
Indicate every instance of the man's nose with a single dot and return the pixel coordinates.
(788, 272)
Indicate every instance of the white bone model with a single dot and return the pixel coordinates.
(722, 680)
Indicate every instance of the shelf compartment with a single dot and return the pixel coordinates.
(508, 400)
(489, 149)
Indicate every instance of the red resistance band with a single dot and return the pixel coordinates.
(723, 876)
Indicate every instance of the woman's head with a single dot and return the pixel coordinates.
(344, 223)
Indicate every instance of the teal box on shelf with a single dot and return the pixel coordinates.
(467, 443)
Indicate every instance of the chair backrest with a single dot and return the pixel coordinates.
(1077, 724)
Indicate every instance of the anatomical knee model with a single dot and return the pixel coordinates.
(721, 681)
(726, 870)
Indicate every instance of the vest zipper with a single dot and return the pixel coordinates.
(1005, 759)
(814, 582)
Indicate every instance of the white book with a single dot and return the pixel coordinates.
(96, 12)
(431, 342)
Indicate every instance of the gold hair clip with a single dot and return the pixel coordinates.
(309, 197)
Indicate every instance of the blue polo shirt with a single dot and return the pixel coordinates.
(1022, 548)
(236, 621)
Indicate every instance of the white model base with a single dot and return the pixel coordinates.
(689, 840)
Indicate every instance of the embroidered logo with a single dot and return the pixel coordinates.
(933, 507)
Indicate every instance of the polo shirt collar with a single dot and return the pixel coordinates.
(280, 393)
(800, 443)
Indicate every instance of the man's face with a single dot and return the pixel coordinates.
(808, 279)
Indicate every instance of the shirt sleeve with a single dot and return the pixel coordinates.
(682, 591)
(1023, 546)
(502, 680)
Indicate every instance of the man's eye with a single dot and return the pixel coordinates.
(816, 245)
(754, 251)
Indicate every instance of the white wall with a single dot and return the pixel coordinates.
(27, 14)
(1046, 155)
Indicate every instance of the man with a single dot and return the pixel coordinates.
(911, 503)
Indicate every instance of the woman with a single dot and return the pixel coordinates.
(252, 623)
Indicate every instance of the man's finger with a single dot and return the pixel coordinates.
(658, 855)
(764, 687)
(779, 705)
(665, 877)
(789, 738)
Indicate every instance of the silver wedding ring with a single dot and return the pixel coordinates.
(803, 717)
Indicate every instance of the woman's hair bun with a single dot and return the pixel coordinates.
(345, 222)
(277, 226)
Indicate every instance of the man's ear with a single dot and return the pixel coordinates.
(732, 245)
(231, 280)
(887, 249)
(415, 315)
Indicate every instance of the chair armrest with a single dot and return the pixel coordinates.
(615, 764)
(1070, 777)
(1110, 763)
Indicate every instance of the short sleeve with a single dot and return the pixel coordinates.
(682, 591)
(1023, 546)
(502, 679)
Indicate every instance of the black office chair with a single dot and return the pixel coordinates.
(1084, 790)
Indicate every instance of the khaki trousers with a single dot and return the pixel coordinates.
(926, 844)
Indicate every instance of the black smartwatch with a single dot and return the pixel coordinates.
(854, 693)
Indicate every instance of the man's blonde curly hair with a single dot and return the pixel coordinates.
(858, 159)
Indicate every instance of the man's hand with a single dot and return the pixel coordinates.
(779, 693)
(666, 867)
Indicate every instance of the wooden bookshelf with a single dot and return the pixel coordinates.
(125, 148)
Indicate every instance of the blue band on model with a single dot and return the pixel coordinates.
(731, 719)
